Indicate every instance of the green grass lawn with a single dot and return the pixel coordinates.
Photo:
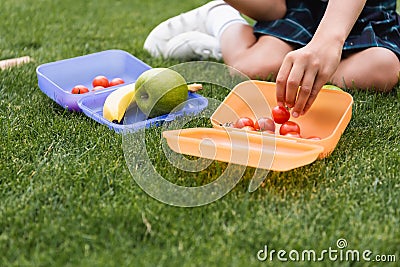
(67, 197)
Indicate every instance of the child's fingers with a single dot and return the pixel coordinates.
(316, 88)
(321, 78)
(281, 81)
(292, 86)
(305, 91)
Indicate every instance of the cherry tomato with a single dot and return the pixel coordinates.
(242, 122)
(98, 87)
(264, 124)
(100, 81)
(314, 138)
(248, 128)
(293, 134)
(79, 89)
(280, 114)
(116, 81)
(289, 126)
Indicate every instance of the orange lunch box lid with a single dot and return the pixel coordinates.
(241, 147)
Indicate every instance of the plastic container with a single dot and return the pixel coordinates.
(242, 148)
(56, 80)
(134, 118)
(327, 119)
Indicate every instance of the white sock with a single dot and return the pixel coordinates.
(221, 17)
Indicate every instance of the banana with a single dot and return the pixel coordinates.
(118, 102)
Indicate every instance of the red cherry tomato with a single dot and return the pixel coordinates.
(264, 124)
(289, 126)
(242, 122)
(79, 89)
(100, 81)
(116, 81)
(248, 128)
(280, 114)
(293, 134)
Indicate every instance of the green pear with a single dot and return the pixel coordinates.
(159, 91)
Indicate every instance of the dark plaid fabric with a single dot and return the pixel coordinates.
(377, 26)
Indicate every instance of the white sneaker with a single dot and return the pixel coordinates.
(193, 20)
(193, 45)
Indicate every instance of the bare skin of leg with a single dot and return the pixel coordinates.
(260, 9)
(252, 56)
(375, 68)
(257, 58)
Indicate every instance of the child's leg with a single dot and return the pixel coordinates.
(373, 68)
(184, 36)
(257, 58)
(260, 10)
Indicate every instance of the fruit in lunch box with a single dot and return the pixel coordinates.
(100, 80)
(159, 91)
(117, 102)
(280, 114)
(264, 124)
(331, 87)
(116, 81)
(79, 89)
(243, 122)
(268, 125)
(289, 127)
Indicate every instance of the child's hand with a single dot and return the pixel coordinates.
(310, 68)
(313, 65)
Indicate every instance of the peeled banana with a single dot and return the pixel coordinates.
(118, 102)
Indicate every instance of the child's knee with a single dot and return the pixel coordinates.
(257, 70)
(380, 71)
(279, 9)
(384, 71)
(282, 8)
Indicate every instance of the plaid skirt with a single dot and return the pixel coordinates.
(377, 26)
